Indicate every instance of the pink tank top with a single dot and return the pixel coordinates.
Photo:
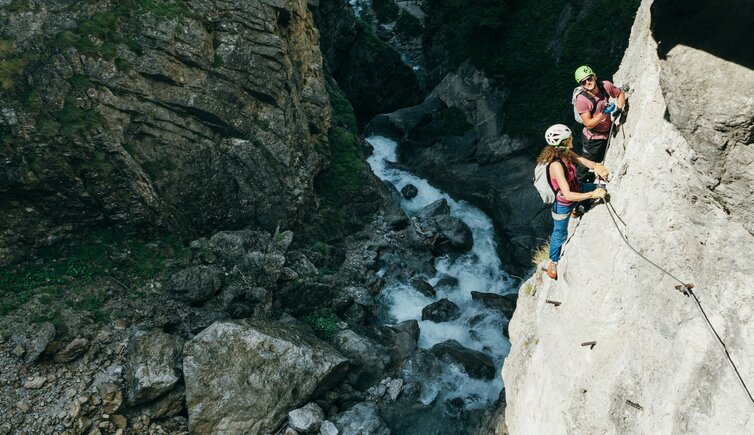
(573, 183)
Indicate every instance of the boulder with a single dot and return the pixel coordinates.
(409, 191)
(437, 208)
(447, 282)
(478, 365)
(231, 246)
(441, 311)
(361, 419)
(505, 304)
(328, 428)
(153, 365)
(74, 349)
(261, 269)
(368, 359)
(307, 419)
(195, 284)
(240, 300)
(170, 404)
(454, 232)
(423, 287)
(39, 342)
(242, 377)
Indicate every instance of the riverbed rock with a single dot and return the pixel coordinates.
(240, 300)
(361, 419)
(153, 366)
(423, 287)
(195, 284)
(409, 191)
(328, 428)
(307, 419)
(504, 304)
(477, 364)
(231, 246)
(283, 365)
(454, 233)
(441, 311)
(437, 208)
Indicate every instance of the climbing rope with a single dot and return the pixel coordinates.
(685, 288)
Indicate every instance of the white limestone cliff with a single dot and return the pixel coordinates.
(682, 166)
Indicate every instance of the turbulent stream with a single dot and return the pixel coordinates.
(478, 328)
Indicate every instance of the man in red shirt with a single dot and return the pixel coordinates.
(594, 108)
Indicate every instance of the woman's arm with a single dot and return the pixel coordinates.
(557, 174)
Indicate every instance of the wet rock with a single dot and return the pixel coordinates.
(454, 232)
(307, 419)
(394, 387)
(447, 282)
(283, 366)
(195, 284)
(441, 311)
(153, 362)
(400, 339)
(477, 364)
(72, 350)
(437, 208)
(361, 419)
(302, 297)
(505, 304)
(39, 343)
(409, 191)
(423, 287)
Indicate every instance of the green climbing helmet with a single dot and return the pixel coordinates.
(583, 72)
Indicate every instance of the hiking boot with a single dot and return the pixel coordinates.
(552, 270)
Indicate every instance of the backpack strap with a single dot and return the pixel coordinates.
(549, 182)
(594, 101)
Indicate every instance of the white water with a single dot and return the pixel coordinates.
(478, 270)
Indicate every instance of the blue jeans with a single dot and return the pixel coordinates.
(560, 223)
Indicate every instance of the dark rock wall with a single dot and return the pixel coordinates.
(371, 73)
(193, 116)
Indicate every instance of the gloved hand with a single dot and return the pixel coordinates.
(601, 171)
(609, 108)
(598, 193)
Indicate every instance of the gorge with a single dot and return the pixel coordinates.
(207, 223)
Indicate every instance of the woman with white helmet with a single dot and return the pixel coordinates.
(568, 190)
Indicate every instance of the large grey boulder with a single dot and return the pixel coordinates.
(242, 377)
(361, 419)
(195, 284)
(369, 359)
(455, 234)
(437, 208)
(153, 365)
(231, 246)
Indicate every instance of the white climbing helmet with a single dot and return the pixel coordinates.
(556, 134)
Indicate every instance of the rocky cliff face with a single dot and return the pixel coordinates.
(193, 116)
(682, 184)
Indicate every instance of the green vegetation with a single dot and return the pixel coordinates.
(324, 322)
(71, 272)
(520, 43)
(342, 115)
(74, 120)
(385, 10)
(408, 26)
(11, 66)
